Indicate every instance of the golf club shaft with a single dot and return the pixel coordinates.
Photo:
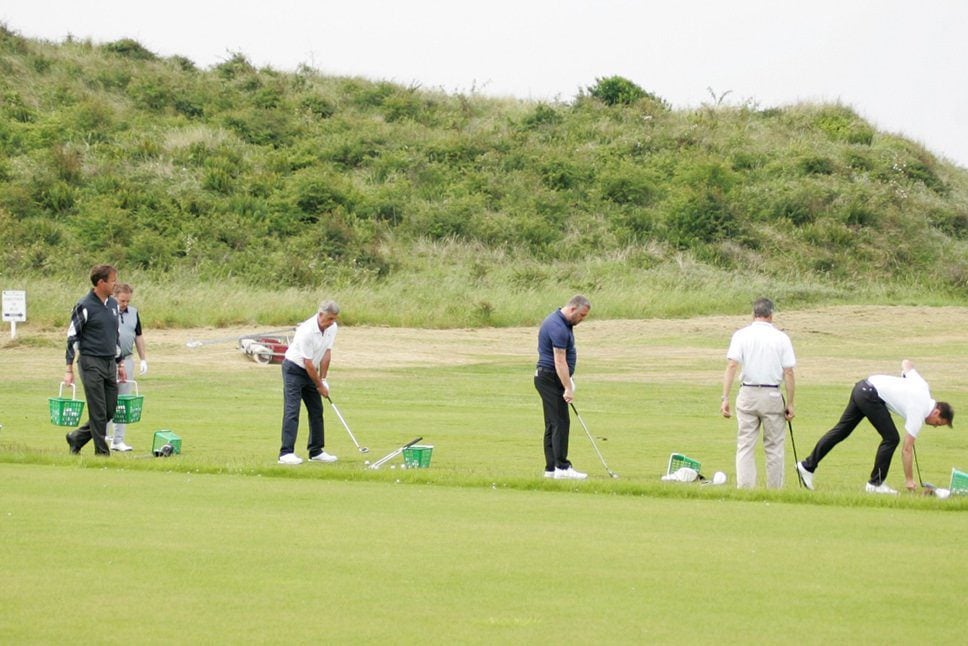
(361, 449)
(592, 440)
(793, 443)
(389, 456)
(796, 459)
(917, 464)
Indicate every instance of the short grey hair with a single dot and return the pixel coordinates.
(579, 302)
(762, 308)
(329, 307)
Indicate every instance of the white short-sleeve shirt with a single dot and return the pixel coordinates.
(907, 396)
(764, 352)
(309, 343)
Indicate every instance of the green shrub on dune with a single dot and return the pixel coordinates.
(110, 152)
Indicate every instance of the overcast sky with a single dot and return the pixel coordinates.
(903, 65)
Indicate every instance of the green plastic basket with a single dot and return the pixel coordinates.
(959, 483)
(678, 460)
(417, 456)
(165, 437)
(63, 411)
(129, 407)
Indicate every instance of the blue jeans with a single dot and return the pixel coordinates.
(296, 387)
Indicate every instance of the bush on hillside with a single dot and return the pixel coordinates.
(616, 90)
(542, 115)
(130, 48)
(842, 124)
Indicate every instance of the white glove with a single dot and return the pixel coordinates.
(144, 367)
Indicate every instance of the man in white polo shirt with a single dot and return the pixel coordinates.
(876, 398)
(304, 373)
(766, 356)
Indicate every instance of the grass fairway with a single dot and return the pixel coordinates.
(130, 557)
(221, 544)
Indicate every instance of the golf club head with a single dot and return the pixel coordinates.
(363, 449)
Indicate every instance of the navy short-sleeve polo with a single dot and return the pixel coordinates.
(556, 332)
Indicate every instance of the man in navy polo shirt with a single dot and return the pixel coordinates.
(552, 379)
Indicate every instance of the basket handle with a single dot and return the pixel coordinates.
(60, 391)
(131, 381)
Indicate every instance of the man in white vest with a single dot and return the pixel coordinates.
(131, 340)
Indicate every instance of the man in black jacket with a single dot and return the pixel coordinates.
(94, 338)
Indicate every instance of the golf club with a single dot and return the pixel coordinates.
(592, 440)
(793, 443)
(389, 456)
(917, 465)
(796, 460)
(361, 449)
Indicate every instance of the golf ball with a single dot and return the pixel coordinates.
(942, 493)
(366, 463)
(719, 478)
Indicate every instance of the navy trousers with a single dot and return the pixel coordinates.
(556, 419)
(298, 387)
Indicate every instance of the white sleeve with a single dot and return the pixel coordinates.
(789, 359)
(912, 425)
(734, 353)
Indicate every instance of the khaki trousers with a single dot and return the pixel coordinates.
(755, 408)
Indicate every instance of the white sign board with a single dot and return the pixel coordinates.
(14, 305)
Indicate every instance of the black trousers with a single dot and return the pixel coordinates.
(298, 387)
(864, 402)
(100, 378)
(556, 419)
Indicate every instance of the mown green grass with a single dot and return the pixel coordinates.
(221, 543)
(125, 556)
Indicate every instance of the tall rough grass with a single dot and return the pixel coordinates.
(448, 285)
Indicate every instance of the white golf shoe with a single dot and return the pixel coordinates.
(120, 446)
(881, 488)
(290, 458)
(805, 475)
(569, 474)
(323, 457)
